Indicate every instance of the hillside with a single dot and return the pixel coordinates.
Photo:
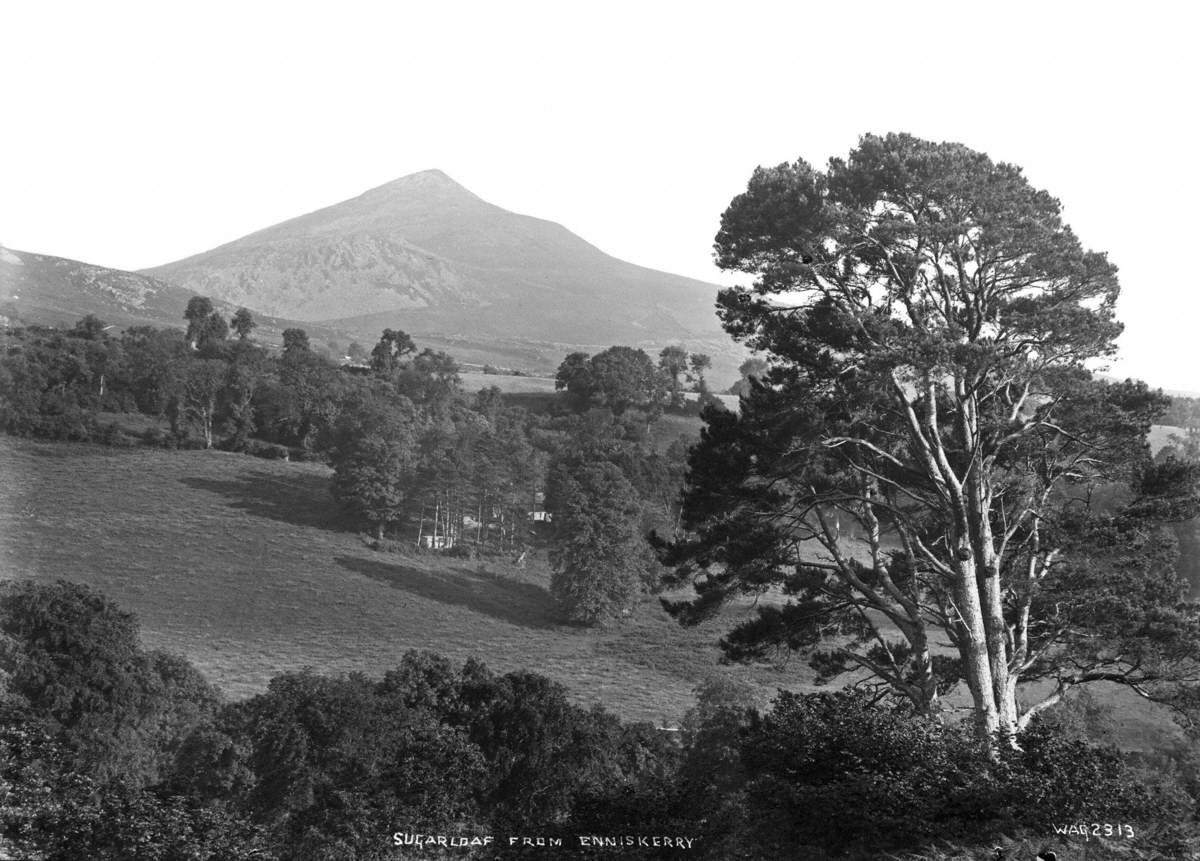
(424, 254)
(245, 566)
(40, 289)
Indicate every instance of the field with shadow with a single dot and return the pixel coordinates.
(248, 568)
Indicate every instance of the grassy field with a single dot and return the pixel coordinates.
(473, 382)
(246, 567)
(1160, 435)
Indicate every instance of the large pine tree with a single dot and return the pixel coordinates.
(928, 457)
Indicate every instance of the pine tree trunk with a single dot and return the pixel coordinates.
(978, 502)
(973, 649)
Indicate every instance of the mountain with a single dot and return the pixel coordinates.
(426, 255)
(54, 291)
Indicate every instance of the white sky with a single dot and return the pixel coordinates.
(133, 134)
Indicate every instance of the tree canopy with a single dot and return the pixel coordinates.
(673, 362)
(619, 378)
(242, 323)
(206, 328)
(73, 658)
(295, 341)
(388, 354)
(375, 462)
(922, 458)
(574, 376)
(598, 556)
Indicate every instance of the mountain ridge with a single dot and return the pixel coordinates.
(43, 289)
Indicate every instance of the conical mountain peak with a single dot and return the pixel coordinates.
(424, 250)
(422, 179)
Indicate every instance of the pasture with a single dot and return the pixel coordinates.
(246, 567)
(473, 382)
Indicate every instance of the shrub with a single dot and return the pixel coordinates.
(386, 545)
(817, 762)
(267, 450)
(112, 434)
(73, 658)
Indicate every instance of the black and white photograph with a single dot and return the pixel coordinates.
(566, 430)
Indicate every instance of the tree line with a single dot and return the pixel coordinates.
(1183, 413)
(111, 751)
(416, 460)
(623, 377)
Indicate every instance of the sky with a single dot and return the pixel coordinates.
(135, 134)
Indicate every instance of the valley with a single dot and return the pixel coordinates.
(506, 432)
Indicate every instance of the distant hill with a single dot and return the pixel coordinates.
(1174, 393)
(39, 289)
(426, 255)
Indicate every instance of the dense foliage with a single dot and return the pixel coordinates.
(110, 749)
(815, 759)
(147, 764)
(71, 656)
(600, 561)
(621, 378)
